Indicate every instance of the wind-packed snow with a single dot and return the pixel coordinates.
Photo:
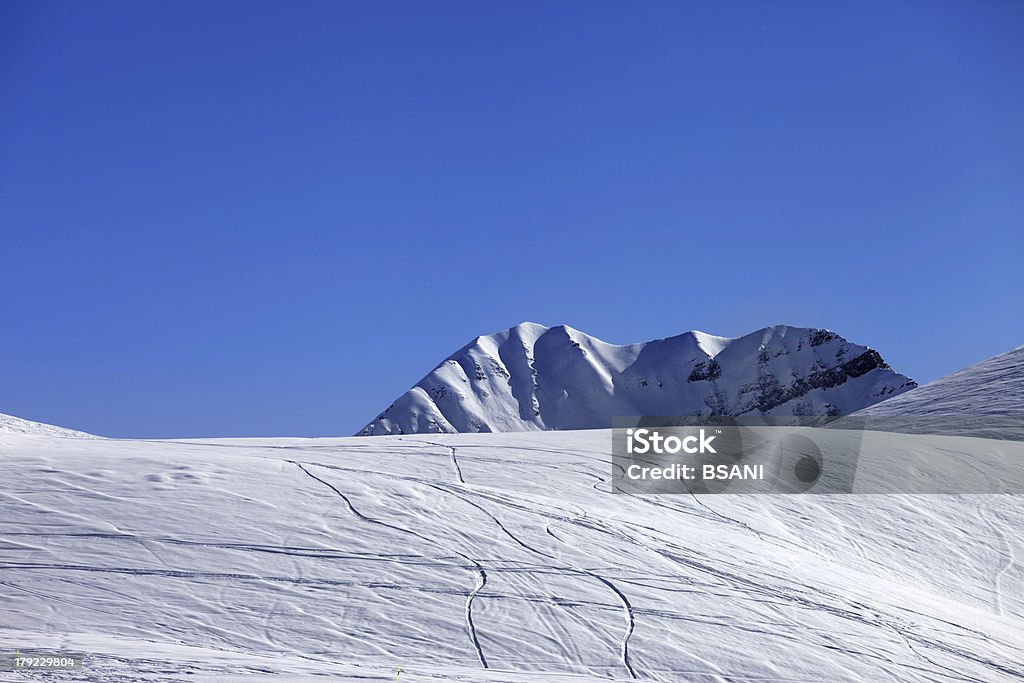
(488, 557)
(16, 425)
(532, 377)
(991, 387)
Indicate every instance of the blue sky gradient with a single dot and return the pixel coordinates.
(246, 218)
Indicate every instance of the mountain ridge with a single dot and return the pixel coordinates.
(531, 377)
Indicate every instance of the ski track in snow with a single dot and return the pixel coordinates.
(628, 608)
(985, 512)
(455, 464)
(470, 626)
(452, 454)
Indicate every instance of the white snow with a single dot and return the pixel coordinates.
(531, 378)
(991, 387)
(488, 557)
(16, 425)
(711, 344)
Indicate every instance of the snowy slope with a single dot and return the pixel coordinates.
(489, 557)
(991, 387)
(16, 425)
(532, 377)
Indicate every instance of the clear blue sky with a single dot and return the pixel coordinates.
(247, 218)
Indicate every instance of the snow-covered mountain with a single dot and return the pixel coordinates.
(532, 377)
(991, 387)
(16, 425)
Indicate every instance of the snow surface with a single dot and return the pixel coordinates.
(532, 377)
(487, 557)
(16, 425)
(991, 387)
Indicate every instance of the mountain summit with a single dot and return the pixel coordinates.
(531, 377)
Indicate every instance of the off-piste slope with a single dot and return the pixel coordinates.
(489, 557)
(532, 377)
(991, 387)
(16, 425)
